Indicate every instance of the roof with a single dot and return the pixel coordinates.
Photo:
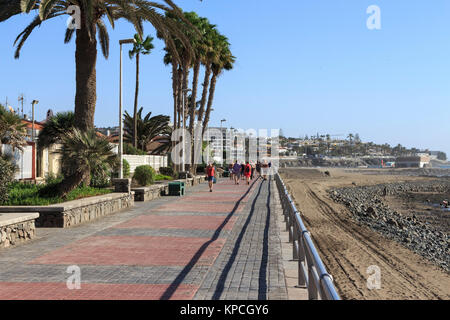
(29, 124)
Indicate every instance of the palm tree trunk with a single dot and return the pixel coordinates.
(193, 166)
(136, 93)
(71, 182)
(212, 90)
(86, 91)
(204, 93)
(180, 95)
(175, 102)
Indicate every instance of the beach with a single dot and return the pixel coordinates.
(361, 218)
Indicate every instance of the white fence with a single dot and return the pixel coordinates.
(155, 161)
(22, 159)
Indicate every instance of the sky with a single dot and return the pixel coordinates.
(303, 66)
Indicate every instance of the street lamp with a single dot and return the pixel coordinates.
(124, 41)
(32, 125)
(223, 138)
(184, 128)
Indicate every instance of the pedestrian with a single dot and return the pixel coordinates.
(253, 171)
(258, 168)
(264, 169)
(248, 172)
(242, 171)
(210, 172)
(230, 170)
(236, 172)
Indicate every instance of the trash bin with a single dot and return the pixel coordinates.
(176, 188)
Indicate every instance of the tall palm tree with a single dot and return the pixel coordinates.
(93, 13)
(12, 130)
(143, 47)
(148, 127)
(82, 153)
(224, 61)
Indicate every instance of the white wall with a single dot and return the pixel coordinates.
(23, 160)
(155, 161)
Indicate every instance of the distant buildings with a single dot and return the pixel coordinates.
(421, 161)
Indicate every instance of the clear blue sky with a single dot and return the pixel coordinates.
(303, 66)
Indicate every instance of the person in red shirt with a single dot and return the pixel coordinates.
(248, 172)
(210, 173)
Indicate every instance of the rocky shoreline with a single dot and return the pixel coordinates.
(368, 206)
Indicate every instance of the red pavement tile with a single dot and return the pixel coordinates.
(131, 251)
(91, 291)
(212, 207)
(178, 222)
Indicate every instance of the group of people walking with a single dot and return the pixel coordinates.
(247, 171)
(243, 171)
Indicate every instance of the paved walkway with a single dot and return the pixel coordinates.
(220, 245)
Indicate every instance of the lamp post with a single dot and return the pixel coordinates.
(124, 41)
(184, 128)
(223, 138)
(32, 124)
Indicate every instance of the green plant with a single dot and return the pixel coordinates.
(100, 176)
(7, 170)
(12, 130)
(167, 171)
(31, 194)
(82, 152)
(129, 149)
(160, 177)
(125, 170)
(144, 175)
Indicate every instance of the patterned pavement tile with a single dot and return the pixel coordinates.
(91, 291)
(183, 222)
(130, 250)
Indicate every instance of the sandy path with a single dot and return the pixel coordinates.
(348, 249)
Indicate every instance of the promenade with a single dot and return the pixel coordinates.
(220, 245)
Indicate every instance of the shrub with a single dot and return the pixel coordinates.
(125, 170)
(7, 170)
(166, 171)
(129, 149)
(100, 177)
(144, 175)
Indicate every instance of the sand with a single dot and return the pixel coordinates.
(349, 249)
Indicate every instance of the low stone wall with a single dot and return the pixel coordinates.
(159, 190)
(16, 228)
(151, 192)
(75, 212)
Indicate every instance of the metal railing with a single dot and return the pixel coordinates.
(311, 270)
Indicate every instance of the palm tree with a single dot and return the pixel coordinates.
(143, 47)
(83, 152)
(223, 61)
(92, 18)
(12, 130)
(55, 129)
(147, 128)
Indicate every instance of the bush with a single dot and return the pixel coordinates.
(100, 177)
(129, 149)
(144, 175)
(125, 170)
(166, 171)
(7, 170)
